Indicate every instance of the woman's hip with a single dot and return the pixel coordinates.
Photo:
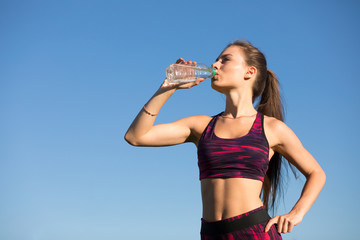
(250, 225)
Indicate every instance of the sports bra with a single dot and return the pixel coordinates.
(243, 157)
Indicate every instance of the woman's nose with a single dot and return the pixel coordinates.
(215, 65)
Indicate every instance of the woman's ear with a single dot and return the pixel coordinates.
(250, 73)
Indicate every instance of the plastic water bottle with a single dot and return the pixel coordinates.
(182, 73)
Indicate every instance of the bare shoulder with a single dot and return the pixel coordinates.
(273, 124)
(197, 124)
(275, 130)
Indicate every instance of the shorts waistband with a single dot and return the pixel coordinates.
(254, 217)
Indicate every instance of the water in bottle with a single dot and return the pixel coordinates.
(182, 73)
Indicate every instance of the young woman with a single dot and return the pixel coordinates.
(239, 150)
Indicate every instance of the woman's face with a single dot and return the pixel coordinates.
(230, 69)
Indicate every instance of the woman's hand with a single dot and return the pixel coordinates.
(167, 84)
(285, 223)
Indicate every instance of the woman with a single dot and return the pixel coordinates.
(239, 150)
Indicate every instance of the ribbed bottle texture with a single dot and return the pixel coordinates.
(180, 73)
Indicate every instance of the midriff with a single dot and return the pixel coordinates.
(229, 197)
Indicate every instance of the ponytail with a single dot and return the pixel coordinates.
(270, 102)
(270, 105)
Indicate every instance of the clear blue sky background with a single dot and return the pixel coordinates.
(73, 75)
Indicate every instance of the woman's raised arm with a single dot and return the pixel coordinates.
(142, 131)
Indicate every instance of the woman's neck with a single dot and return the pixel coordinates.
(239, 104)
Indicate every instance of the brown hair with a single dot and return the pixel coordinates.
(266, 91)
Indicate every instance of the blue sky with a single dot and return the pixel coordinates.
(73, 75)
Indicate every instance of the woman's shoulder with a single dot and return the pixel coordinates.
(200, 120)
(273, 123)
(198, 124)
(276, 129)
(197, 119)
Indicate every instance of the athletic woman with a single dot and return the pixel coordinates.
(239, 149)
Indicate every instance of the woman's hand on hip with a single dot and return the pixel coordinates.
(285, 223)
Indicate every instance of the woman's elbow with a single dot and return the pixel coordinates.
(319, 175)
(323, 176)
(130, 139)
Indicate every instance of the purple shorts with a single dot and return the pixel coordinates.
(247, 226)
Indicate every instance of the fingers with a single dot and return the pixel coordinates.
(199, 80)
(270, 223)
(284, 224)
(190, 84)
(280, 225)
(185, 85)
(290, 227)
(182, 61)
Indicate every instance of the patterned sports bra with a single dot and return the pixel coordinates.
(243, 157)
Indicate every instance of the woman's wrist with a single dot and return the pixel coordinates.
(153, 106)
(166, 87)
(298, 212)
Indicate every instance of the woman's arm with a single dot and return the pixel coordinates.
(288, 145)
(142, 131)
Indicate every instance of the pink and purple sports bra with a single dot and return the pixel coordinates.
(243, 157)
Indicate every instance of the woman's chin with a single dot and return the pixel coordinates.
(215, 86)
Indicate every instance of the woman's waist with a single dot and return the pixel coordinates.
(225, 198)
(213, 211)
